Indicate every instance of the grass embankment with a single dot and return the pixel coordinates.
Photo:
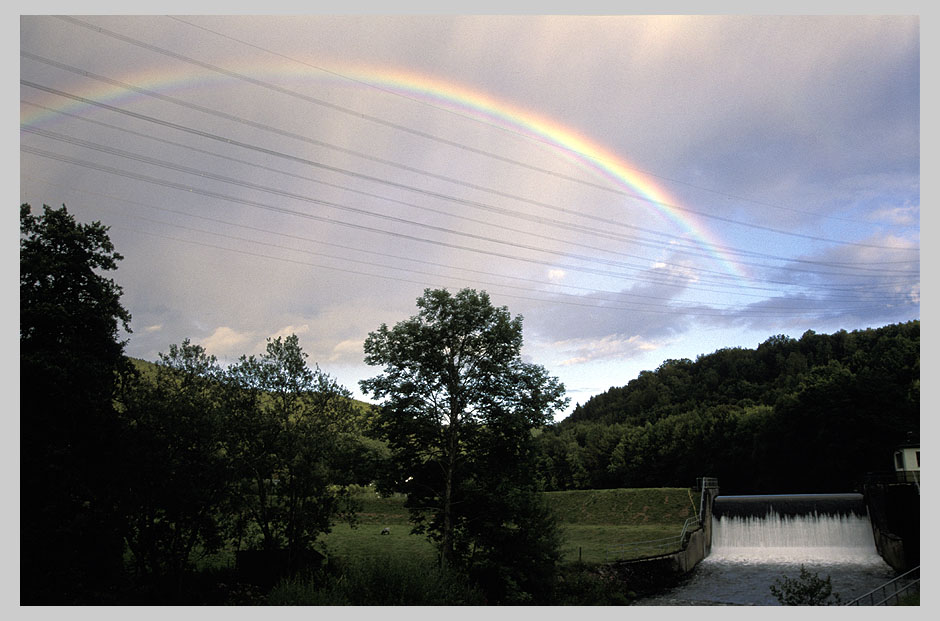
(594, 520)
(591, 520)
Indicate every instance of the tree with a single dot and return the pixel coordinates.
(71, 361)
(291, 435)
(459, 409)
(180, 474)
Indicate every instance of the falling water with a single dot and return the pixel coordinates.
(750, 552)
(799, 538)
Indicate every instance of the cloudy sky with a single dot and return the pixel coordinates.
(639, 188)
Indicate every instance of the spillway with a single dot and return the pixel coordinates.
(758, 539)
(798, 528)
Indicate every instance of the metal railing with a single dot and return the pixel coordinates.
(894, 476)
(658, 547)
(653, 547)
(890, 592)
(703, 483)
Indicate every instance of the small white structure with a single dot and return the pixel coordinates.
(907, 463)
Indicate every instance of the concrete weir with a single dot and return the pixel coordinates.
(744, 535)
(788, 505)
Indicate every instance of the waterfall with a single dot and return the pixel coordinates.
(812, 528)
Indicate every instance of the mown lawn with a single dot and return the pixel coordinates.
(591, 520)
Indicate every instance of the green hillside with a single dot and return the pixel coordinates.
(624, 507)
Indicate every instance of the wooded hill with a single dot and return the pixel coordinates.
(813, 414)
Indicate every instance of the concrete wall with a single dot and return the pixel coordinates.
(891, 549)
(894, 510)
(909, 458)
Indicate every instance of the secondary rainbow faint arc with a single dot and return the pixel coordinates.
(586, 152)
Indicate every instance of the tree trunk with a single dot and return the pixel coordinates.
(447, 539)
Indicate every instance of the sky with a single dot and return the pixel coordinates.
(638, 187)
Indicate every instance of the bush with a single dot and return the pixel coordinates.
(380, 581)
(807, 590)
(583, 585)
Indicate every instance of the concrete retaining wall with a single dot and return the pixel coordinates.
(894, 510)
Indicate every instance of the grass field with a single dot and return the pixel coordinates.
(591, 522)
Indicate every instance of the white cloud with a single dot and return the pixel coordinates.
(225, 342)
(908, 215)
(610, 347)
(349, 351)
(288, 330)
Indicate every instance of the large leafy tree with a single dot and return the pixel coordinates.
(291, 431)
(71, 359)
(459, 409)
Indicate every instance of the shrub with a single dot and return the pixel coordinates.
(583, 585)
(379, 581)
(807, 590)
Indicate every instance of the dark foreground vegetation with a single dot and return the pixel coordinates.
(182, 482)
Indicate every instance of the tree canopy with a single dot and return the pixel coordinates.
(178, 468)
(459, 408)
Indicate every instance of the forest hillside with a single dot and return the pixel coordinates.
(813, 414)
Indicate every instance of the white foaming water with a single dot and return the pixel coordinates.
(800, 538)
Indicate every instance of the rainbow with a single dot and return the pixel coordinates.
(564, 140)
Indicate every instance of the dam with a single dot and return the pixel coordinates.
(757, 540)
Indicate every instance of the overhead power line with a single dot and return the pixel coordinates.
(828, 298)
(420, 133)
(436, 176)
(286, 211)
(866, 268)
(596, 300)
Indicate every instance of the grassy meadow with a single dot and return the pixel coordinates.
(591, 522)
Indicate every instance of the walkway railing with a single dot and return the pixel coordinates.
(703, 483)
(889, 593)
(894, 476)
(658, 547)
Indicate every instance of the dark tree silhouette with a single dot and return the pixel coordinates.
(71, 360)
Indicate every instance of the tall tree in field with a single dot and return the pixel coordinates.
(459, 409)
(71, 359)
